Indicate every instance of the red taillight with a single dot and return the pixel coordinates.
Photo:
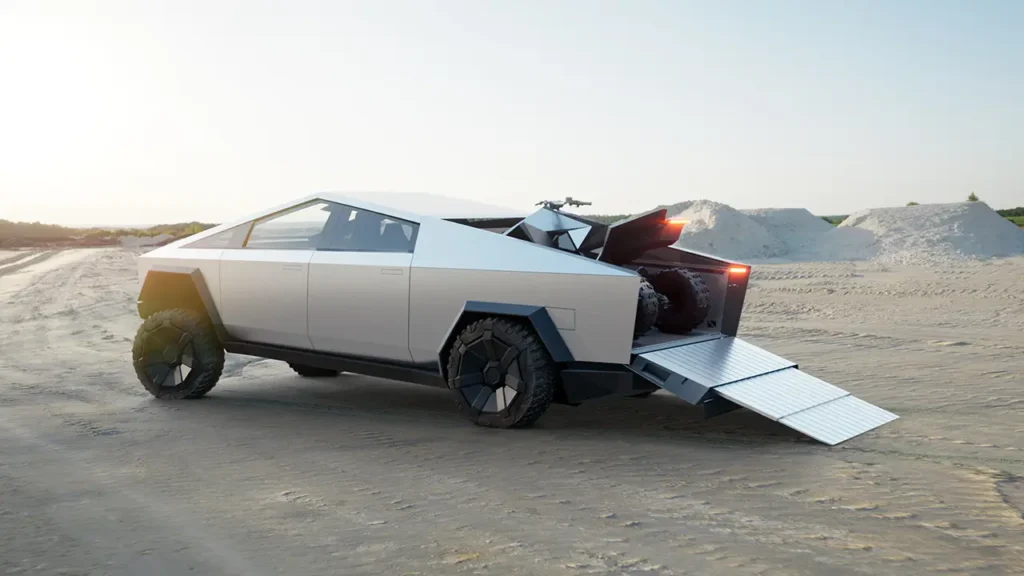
(678, 222)
(738, 270)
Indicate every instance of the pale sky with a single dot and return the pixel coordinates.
(138, 112)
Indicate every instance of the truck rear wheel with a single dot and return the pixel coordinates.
(688, 300)
(501, 374)
(177, 355)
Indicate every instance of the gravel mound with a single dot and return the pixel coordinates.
(924, 234)
(142, 242)
(796, 228)
(722, 230)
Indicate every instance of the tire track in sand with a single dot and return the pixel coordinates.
(12, 265)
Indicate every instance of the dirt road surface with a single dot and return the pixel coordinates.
(275, 474)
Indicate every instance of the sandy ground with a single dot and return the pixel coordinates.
(273, 474)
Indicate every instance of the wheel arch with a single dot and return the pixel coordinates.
(167, 287)
(536, 316)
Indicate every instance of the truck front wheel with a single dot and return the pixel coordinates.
(177, 355)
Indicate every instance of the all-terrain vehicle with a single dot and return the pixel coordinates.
(509, 313)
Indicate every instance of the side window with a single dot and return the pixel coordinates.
(231, 238)
(298, 229)
(358, 230)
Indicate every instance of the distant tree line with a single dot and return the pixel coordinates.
(32, 230)
(1014, 214)
(14, 234)
(35, 233)
(607, 218)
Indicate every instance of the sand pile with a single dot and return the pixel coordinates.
(721, 230)
(923, 234)
(796, 228)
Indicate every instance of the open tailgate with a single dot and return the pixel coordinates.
(703, 367)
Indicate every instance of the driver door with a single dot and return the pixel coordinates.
(264, 284)
(359, 286)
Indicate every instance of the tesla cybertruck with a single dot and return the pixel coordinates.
(511, 314)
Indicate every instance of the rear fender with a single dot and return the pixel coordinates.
(537, 316)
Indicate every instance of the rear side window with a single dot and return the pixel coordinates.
(231, 238)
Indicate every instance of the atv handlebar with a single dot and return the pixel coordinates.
(556, 204)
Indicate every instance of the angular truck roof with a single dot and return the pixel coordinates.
(412, 206)
(432, 205)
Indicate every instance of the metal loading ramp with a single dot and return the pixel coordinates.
(699, 369)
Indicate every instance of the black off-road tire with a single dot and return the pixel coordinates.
(688, 300)
(163, 341)
(646, 309)
(501, 374)
(662, 303)
(312, 371)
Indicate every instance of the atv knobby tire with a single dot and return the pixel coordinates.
(646, 309)
(501, 374)
(177, 355)
(688, 300)
(312, 371)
